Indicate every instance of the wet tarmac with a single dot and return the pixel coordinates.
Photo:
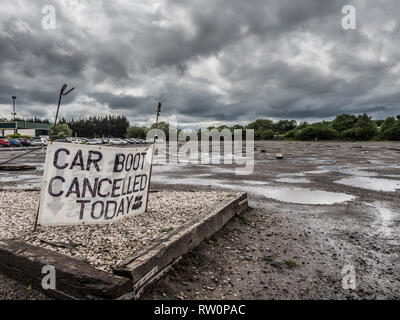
(324, 206)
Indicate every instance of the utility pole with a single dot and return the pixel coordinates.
(62, 93)
(14, 114)
(151, 164)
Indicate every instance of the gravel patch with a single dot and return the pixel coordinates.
(103, 246)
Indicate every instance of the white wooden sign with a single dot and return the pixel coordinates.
(93, 184)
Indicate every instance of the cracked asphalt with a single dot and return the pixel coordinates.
(324, 208)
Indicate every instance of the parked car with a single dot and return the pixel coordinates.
(38, 141)
(15, 143)
(118, 141)
(24, 141)
(61, 140)
(77, 141)
(134, 141)
(5, 143)
(94, 141)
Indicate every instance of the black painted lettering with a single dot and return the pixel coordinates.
(89, 187)
(121, 207)
(129, 161)
(106, 216)
(92, 214)
(143, 182)
(55, 161)
(82, 211)
(51, 186)
(98, 157)
(78, 161)
(136, 161)
(99, 188)
(115, 188)
(119, 162)
(135, 183)
(143, 158)
(74, 188)
(128, 200)
(128, 191)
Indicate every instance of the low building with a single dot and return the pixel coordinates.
(33, 129)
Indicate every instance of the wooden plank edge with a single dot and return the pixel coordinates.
(159, 254)
(75, 279)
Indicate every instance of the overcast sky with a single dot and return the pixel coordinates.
(208, 61)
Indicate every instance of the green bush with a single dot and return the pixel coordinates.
(365, 128)
(344, 122)
(318, 131)
(385, 127)
(62, 131)
(292, 134)
(136, 132)
(349, 134)
(267, 134)
(392, 133)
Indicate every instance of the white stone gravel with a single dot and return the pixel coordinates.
(104, 245)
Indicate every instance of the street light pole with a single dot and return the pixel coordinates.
(62, 93)
(151, 164)
(14, 114)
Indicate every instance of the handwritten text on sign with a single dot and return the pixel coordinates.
(93, 184)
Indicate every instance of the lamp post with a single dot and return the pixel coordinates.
(14, 114)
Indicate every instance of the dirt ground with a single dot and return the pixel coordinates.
(295, 241)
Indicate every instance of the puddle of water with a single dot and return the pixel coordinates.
(252, 182)
(386, 218)
(316, 171)
(358, 172)
(324, 161)
(298, 174)
(374, 184)
(350, 171)
(293, 180)
(168, 167)
(392, 175)
(28, 181)
(303, 159)
(375, 161)
(302, 196)
(25, 186)
(8, 179)
(290, 195)
(330, 168)
(223, 170)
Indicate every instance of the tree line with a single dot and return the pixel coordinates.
(96, 126)
(32, 119)
(343, 127)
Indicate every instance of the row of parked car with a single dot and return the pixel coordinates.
(113, 141)
(22, 142)
(40, 141)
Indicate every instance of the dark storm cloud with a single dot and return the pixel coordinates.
(123, 102)
(211, 60)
